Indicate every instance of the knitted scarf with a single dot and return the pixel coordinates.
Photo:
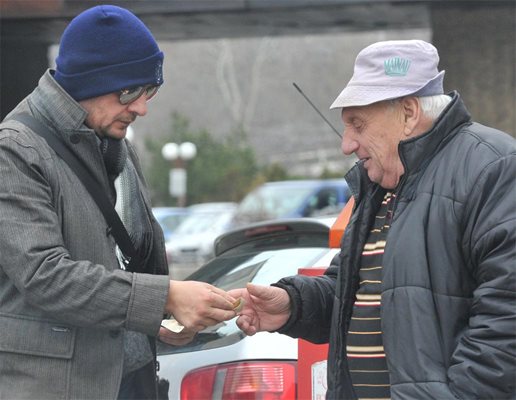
(134, 215)
(130, 205)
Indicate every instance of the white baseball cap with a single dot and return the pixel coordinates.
(392, 69)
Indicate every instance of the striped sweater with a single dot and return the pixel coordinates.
(366, 356)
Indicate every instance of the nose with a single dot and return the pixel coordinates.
(348, 145)
(139, 106)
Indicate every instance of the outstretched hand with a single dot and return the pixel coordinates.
(197, 305)
(266, 308)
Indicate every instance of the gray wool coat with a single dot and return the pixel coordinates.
(64, 302)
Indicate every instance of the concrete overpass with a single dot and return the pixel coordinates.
(44, 20)
(28, 27)
(476, 39)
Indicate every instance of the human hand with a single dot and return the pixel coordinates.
(197, 305)
(176, 339)
(266, 308)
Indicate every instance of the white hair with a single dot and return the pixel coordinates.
(433, 106)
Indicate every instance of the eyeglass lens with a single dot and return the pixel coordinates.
(129, 95)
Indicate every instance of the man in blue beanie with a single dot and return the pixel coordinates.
(77, 320)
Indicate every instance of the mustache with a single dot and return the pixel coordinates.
(128, 121)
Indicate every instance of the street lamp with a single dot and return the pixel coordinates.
(178, 155)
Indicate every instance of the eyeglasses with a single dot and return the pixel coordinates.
(129, 95)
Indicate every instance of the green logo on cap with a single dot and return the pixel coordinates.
(396, 66)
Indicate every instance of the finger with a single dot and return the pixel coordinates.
(222, 299)
(164, 332)
(236, 293)
(251, 331)
(217, 316)
(176, 341)
(175, 338)
(259, 291)
(242, 322)
(245, 326)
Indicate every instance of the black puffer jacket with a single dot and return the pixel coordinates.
(449, 276)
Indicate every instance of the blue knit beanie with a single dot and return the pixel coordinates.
(106, 49)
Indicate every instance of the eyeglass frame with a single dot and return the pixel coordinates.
(137, 92)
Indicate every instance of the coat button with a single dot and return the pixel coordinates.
(75, 138)
(114, 333)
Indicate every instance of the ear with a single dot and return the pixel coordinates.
(412, 115)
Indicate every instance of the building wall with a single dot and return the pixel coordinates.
(223, 84)
(477, 44)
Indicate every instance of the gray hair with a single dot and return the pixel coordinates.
(433, 106)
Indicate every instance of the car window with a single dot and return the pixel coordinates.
(325, 199)
(274, 201)
(235, 271)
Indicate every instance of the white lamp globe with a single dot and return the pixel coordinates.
(170, 151)
(187, 150)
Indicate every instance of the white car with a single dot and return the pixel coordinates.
(223, 363)
(193, 240)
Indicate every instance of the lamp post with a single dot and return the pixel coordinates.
(178, 155)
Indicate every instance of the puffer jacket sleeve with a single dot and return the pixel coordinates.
(312, 299)
(483, 363)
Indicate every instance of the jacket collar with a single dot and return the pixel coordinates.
(417, 151)
(57, 106)
(66, 117)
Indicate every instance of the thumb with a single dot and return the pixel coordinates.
(260, 291)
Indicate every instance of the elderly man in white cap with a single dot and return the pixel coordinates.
(420, 302)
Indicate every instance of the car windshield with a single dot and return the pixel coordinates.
(274, 201)
(231, 272)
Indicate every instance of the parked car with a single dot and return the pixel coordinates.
(169, 218)
(193, 241)
(221, 362)
(296, 198)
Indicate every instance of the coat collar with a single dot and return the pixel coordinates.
(417, 151)
(66, 117)
(57, 106)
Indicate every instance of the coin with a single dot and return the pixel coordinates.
(238, 305)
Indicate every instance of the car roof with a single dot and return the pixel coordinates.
(158, 211)
(212, 206)
(307, 182)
